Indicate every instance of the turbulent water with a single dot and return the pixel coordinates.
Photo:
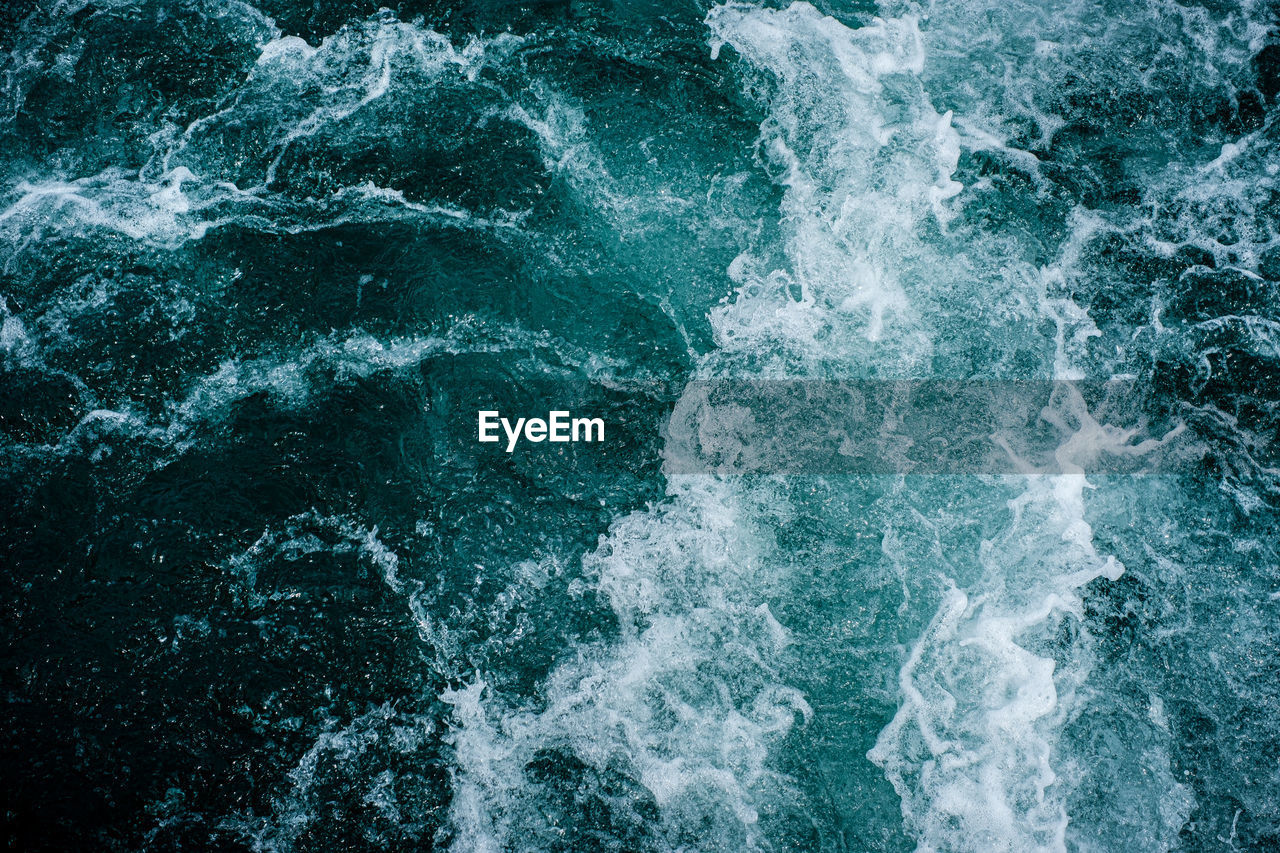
(261, 265)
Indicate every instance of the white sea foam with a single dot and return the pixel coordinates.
(179, 207)
(192, 184)
(295, 91)
(866, 163)
(970, 750)
(686, 703)
(690, 702)
(975, 751)
(291, 378)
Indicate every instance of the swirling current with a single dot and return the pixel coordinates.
(262, 263)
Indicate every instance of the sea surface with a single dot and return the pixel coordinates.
(261, 264)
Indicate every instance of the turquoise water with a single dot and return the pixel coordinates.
(261, 266)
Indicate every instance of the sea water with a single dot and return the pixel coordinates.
(263, 268)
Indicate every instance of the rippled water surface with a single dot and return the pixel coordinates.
(260, 265)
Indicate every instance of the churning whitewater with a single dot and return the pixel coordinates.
(287, 289)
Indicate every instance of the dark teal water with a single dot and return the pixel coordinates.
(260, 266)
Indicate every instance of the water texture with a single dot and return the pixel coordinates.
(261, 265)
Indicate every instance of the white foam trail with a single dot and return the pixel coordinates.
(869, 281)
(290, 378)
(974, 749)
(191, 185)
(686, 704)
(295, 90)
(689, 703)
(969, 749)
(866, 163)
(179, 207)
